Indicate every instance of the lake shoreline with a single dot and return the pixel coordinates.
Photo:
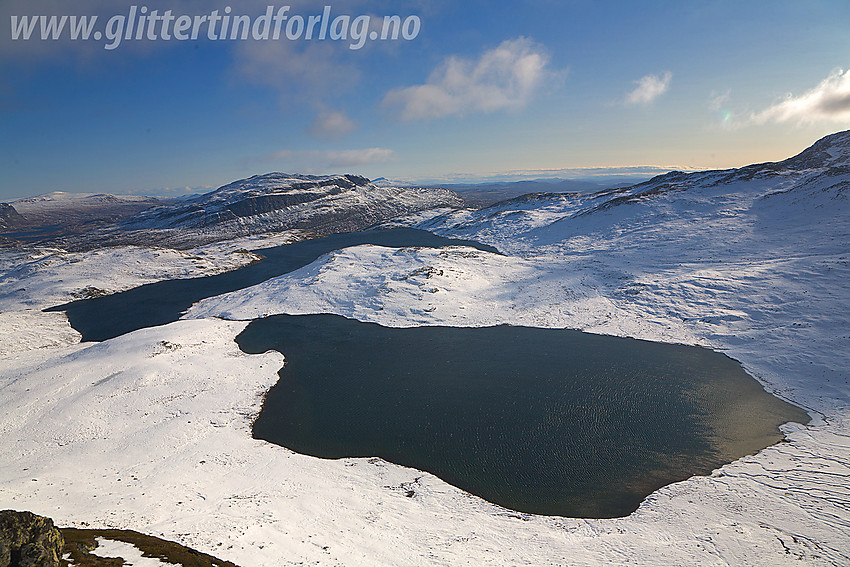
(724, 409)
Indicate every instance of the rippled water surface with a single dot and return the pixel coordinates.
(545, 421)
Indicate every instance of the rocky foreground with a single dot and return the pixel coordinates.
(29, 540)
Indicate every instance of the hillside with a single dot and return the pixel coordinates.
(270, 203)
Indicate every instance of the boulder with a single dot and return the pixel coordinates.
(28, 540)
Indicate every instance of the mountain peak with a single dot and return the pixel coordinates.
(282, 183)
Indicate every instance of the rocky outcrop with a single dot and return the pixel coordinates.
(831, 151)
(28, 540)
(9, 217)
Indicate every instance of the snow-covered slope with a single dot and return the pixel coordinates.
(272, 203)
(71, 209)
(807, 189)
(35, 279)
(56, 215)
(32, 279)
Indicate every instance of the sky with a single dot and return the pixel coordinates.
(481, 91)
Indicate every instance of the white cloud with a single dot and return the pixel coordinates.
(829, 101)
(345, 158)
(306, 70)
(331, 125)
(649, 88)
(718, 100)
(502, 78)
(718, 103)
(319, 159)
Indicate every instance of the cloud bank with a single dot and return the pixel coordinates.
(506, 77)
(331, 125)
(320, 159)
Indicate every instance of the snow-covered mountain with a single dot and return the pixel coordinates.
(56, 215)
(273, 202)
(775, 197)
(76, 208)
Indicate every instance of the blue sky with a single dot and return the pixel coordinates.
(486, 90)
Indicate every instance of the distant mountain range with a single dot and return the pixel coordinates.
(322, 205)
(58, 214)
(260, 204)
(486, 194)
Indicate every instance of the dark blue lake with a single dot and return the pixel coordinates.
(545, 421)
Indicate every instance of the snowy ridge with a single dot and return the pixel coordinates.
(816, 178)
(58, 206)
(831, 151)
(277, 202)
(61, 198)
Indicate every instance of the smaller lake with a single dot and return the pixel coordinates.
(159, 303)
(545, 421)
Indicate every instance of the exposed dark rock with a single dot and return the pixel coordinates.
(829, 151)
(9, 217)
(268, 203)
(28, 540)
(90, 292)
